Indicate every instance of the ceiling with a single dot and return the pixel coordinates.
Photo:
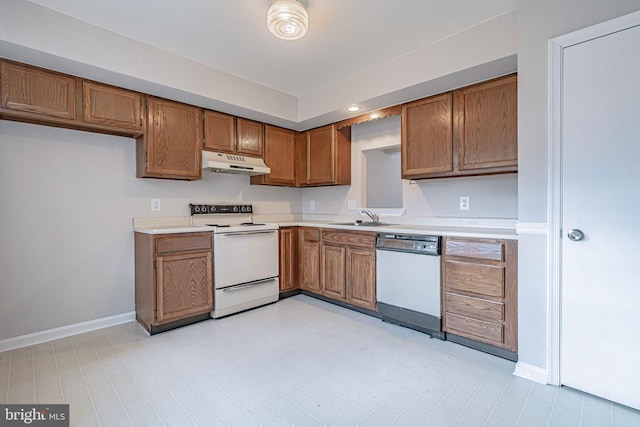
(345, 38)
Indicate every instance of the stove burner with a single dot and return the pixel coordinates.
(251, 223)
(217, 225)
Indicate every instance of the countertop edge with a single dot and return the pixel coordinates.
(474, 232)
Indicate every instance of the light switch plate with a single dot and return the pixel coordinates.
(155, 205)
(352, 205)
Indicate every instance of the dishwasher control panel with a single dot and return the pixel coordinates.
(418, 244)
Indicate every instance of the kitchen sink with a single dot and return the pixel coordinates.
(364, 224)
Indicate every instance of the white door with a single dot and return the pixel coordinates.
(600, 288)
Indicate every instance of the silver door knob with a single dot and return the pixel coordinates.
(575, 235)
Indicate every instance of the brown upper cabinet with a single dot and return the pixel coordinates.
(280, 156)
(250, 136)
(233, 135)
(111, 107)
(46, 97)
(427, 136)
(324, 157)
(471, 131)
(33, 92)
(171, 144)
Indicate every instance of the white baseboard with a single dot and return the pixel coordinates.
(530, 372)
(65, 331)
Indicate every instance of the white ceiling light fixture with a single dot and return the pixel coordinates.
(287, 19)
(353, 108)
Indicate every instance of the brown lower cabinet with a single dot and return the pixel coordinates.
(173, 277)
(347, 267)
(480, 290)
(288, 237)
(309, 259)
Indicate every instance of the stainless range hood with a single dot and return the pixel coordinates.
(233, 163)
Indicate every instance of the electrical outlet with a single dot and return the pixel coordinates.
(352, 205)
(312, 204)
(155, 205)
(464, 203)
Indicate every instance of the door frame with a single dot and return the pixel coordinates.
(556, 48)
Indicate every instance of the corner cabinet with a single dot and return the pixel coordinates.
(480, 290)
(470, 131)
(288, 262)
(348, 267)
(324, 157)
(171, 146)
(173, 278)
(280, 156)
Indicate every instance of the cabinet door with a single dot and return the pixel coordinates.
(184, 285)
(361, 277)
(288, 259)
(32, 90)
(279, 155)
(427, 139)
(486, 129)
(332, 270)
(310, 259)
(219, 132)
(321, 154)
(111, 107)
(250, 136)
(172, 142)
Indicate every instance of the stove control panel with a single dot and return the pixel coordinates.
(219, 209)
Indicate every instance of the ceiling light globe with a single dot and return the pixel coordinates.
(287, 19)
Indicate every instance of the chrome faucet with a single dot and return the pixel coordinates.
(374, 217)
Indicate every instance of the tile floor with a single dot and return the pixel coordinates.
(298, 362)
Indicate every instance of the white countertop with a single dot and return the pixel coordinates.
(455, 231)
(173, 229)
(480, 232)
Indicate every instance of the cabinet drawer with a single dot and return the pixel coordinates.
(311, 235)
(184, 242)
(478, 279)
(367, 240)
(477, 329)
(475, 249)
(474, 307)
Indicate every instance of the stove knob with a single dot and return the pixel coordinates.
(235, 209)
(212, 209)
(243, 209)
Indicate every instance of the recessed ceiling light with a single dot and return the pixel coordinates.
(353, 108)
(287, 19)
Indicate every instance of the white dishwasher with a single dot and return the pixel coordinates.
(408, 281)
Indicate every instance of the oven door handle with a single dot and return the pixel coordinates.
(247, 233)
(247, 285)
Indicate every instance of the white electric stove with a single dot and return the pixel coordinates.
(245, 257)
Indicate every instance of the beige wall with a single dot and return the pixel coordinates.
(68, 199)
